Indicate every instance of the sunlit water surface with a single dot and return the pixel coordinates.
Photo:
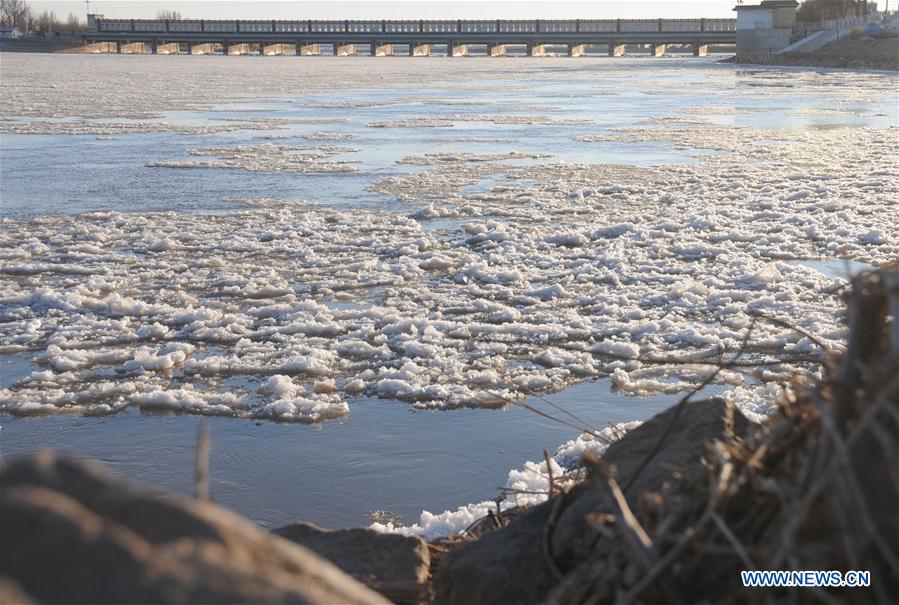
(384, 455)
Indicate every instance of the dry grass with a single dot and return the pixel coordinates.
(816, 488)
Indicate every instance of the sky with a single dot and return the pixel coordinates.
(396, 9)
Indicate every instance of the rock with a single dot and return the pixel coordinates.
(72, 533)
(12, 594)
(396, 566)
(697, 424)
(507, 565)
(503, 566)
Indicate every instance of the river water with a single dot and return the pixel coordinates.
(352, 266)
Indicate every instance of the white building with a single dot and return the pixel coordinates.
(764, 29)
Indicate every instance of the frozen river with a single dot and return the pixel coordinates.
(357, 267)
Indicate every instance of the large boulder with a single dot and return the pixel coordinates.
(509, 565)
(72, 533)
(394, 565)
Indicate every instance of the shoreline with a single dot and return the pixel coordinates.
(875, 54)
(670, 497)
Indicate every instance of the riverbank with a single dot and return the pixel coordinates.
(53, 44)
(846, 53)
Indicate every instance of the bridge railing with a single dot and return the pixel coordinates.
(680, 25)
(720, 25)
(599, 25)
(399, 27)
(517, 26)
(559, 26)
(439, 26)
(260, 27)
(148, 26)
(427, 26)
(477, 27)
(290, 26)
(364, 26)
(640, 25)
(328, 26)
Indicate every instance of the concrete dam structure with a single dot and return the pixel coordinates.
(417, 38)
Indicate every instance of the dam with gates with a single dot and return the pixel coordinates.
(414, 38)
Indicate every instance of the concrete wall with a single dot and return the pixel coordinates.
(755, 18)
(784, 17)
(752, 43)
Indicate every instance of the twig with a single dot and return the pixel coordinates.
(634, 534)
(670, 556)
(549, 471)
(785, 324)
(548, 529)
(201, 484)
(737, 545)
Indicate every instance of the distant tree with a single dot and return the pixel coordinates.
(821, 10)
(74, 24)
(13, 12)
(46, 22)
(17, 13)
(167, 15)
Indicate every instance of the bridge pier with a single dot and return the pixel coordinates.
(278, 49)
(206, 48)
(99, 47)
(536, 50)
(657, 49)
(242, 48)
(134, 48)
(382, 50)
(419, 50)
(617, 50)
(344, 50)
(577, 50)
(168, 48)
(309, 50)
(700, 49)
(457, 50)
(496, 50)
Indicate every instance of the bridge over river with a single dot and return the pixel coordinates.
(456, 38)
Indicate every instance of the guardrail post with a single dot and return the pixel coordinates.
(497, 26)
(702, 24)
(577, 25)
(166, 25)
(346, 26)
(618, 25)
(421, 25)
(660, 25)
(459, 25)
